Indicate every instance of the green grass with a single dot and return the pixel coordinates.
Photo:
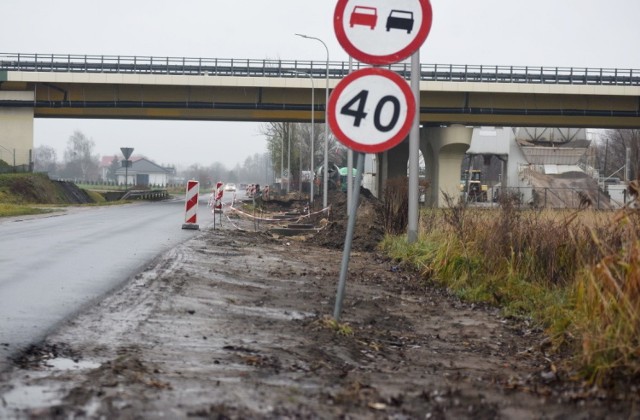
(10, 210)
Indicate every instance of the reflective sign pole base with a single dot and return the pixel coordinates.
(191, 226)
(349, 238)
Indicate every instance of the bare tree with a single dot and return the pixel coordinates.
(79, 160)
(45, 159)
(278, 147)
(257, 169)
(612, 151)
(113, 168)
(203, 175)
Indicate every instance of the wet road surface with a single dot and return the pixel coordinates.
(52, 267)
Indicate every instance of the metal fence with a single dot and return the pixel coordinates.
(305, 68)
(552, 198)
(15, 160)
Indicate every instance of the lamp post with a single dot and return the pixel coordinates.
(325, 170)
(313, 111)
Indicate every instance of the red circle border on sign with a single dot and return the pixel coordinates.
(353, 51)
(379, 147)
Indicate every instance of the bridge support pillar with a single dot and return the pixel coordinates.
(444, 149)
(16, 130)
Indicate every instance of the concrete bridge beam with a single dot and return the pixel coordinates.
(16, 129)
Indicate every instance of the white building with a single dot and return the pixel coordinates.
(144, 172)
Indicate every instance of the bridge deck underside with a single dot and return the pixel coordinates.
(282, 103)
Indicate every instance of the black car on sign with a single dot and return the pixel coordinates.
(400, 19)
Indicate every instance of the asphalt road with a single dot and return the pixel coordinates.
(52, 267)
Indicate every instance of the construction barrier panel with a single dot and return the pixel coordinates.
(191, 206)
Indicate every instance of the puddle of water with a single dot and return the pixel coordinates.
(23, 396)
(62, 363)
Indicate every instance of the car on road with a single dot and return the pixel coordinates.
(400, 19)
(230, 187)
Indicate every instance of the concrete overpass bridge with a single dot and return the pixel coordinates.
(452, 97)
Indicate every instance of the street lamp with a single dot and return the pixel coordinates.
(325, 169)
(313, 111)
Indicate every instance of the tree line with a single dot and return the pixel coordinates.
(290, 147)
(289, 150)
(80, 162)
(618, 152)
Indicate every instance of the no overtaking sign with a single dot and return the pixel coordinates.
(382, 31)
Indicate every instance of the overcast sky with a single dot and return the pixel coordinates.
(577, 33)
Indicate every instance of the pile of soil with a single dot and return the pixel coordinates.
(567, 190)
(369, 228)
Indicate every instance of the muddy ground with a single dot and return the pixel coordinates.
(236, 324)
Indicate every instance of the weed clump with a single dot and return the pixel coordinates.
(606, 314)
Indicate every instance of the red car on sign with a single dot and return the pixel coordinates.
(365, 16)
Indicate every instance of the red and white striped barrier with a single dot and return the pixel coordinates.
(217, 206)
(191, 206)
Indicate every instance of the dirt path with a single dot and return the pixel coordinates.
(233, 325)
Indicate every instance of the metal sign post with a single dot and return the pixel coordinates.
(372, 110)
(414, 150)
(351, 224)
(126, 152)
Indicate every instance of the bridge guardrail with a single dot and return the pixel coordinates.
(304, 68)
(157, 194)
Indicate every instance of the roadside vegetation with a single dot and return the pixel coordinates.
(574, 273)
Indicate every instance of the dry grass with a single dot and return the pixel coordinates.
(396, 206)
(606, 314)
(577, 273)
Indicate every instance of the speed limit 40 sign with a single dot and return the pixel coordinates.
(371, 110)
